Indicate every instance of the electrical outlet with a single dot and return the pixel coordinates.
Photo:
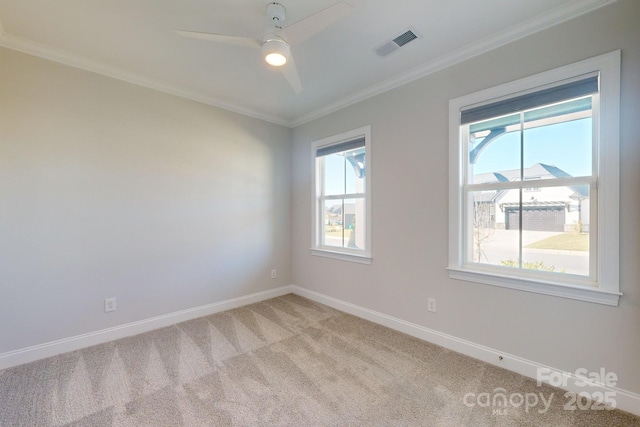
(431, 305)
(274, 273)
(110, 305)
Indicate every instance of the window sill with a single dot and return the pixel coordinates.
(580, 293)
(342, 256)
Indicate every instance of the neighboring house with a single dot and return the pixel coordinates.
(543, 209)
(333, 214)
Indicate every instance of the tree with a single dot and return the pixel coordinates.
(483, 228)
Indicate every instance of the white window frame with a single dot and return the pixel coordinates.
(605, 287)
(346, 254)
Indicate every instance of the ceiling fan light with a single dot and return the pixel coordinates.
(276, 52)
(275, 59)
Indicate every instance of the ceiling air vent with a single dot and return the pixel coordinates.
(397, 43)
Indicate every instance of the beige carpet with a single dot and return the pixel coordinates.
(284, 362)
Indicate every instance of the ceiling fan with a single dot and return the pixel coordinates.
(276, 40)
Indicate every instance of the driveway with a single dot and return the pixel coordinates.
(502, 245)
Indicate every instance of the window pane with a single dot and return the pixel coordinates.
(344, 223)
(555, 226)
(558, 140)
(334, 173)
(355, 171)
(354, 223)
(333, 233)
(344, 172)
(494, 223)
(494, 150)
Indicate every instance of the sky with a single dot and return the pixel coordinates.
(565, 145)
(335, 168)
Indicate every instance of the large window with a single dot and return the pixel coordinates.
(341, 218)
(534, 191)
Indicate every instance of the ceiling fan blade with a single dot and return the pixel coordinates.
(307, 27)
(221, 38)
(290, 72)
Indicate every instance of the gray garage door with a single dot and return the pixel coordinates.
(536, 218)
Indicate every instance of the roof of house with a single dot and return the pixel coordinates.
(535, 171)
(349, 208)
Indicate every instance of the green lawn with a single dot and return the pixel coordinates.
(564, 242)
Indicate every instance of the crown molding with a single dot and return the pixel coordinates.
(509, 35)
(71, 59)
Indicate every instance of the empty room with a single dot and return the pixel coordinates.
(319, 213)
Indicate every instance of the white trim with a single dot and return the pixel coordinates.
(541, 22)
(538, 183)
(608, 215)
(345, 196)
(40, 351)
(343, 256)
(576, 292)
(605, 219)
(625, 400)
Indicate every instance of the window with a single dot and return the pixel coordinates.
(534, 183)
(341, 203)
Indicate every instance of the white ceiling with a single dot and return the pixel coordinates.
(134, 40)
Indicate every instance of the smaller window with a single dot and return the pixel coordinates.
(341, 202)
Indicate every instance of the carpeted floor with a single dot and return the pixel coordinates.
(284, 362)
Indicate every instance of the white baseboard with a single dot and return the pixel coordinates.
(41, 351)
(624, 399)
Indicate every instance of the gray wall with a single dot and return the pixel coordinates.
(112, 190)
(410, 199)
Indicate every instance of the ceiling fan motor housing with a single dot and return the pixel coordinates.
(275, 51)
(276, 14)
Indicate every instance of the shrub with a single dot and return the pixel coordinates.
(535, 265)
